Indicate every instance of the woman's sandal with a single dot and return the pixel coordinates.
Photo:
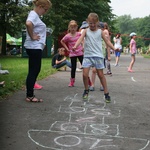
(33, 99)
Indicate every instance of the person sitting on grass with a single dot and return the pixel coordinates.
(59, 60)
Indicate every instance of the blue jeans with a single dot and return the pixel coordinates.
(65, 62)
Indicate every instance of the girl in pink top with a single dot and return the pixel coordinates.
(132, 50)
(68, 41)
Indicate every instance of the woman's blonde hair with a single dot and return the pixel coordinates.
(43, 3)
(72, 23)
(93, 16)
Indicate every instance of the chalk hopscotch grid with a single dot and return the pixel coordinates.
(82, 127)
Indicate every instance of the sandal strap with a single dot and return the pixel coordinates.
(30, 99)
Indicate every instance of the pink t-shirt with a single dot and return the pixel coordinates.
(70, 41)
(133, 45)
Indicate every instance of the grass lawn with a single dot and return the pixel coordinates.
(18, 68)
(146, 56)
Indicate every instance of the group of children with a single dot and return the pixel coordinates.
(90, 46)
(87, 48)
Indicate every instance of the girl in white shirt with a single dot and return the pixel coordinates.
(34, 44)
(117, 44)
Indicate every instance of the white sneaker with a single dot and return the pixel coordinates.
(116, 65)
(78, 70)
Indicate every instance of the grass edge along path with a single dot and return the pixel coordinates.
(18, 68)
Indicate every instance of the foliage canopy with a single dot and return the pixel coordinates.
(13, 14)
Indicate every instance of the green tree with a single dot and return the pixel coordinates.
(144, 29)
(12, 18)
(125, 25)
(64, 11)
(13, 15)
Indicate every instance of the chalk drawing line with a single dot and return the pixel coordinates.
(75, 135)
(74, 131)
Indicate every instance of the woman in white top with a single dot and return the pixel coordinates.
(34, 44)
(117, 44)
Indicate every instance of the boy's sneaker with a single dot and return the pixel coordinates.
(91, 88)
(101, 88)
(107, 98)
(109, 73)
(85, 94)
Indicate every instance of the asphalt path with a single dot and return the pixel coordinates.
(65, 122)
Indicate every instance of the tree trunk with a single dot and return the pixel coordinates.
(3, 34)
(55, 45)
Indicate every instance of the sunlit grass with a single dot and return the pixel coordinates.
(18, 68)
(146, 55)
